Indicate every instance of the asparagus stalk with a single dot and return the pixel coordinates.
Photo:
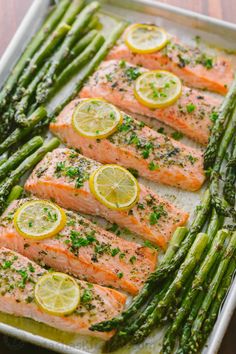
(89, 69)
(26, 165)
(35, 63)
(230, 179)
(18, 134)
(49, 45)
(216, 305)
(182, 275)
(73, 35)
(80, 61)
(21, 107)
(212, 292)
(20, 156)
(200, 277)
(16, 193)
(218, 128)
(123, 336)
(162, 272)
(175, 242)
(34, 44)
(218, 201)
(78, 48)
(2, 161)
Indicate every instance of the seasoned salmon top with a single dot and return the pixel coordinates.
(136, 146)
(195, 67)
(84, 250)
(192, 114)
(63, 176)
(18, 276)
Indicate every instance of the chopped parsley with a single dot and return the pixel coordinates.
(153, 166)
(120, 275)
(177, 135)
(157, 213)
(190, 107)
(87, 296)
(132, 73)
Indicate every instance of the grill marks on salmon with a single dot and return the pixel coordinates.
(18, 276)
(190, 114)
(85, 251)
(194, 67)
(63, 177)
(136, 146)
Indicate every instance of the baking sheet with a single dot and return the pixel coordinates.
(186, 25)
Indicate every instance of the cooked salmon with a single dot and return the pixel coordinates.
(62, 176)
(134, 145)
(191, 114)
(196, 68)
(85, 251)
(18, 278)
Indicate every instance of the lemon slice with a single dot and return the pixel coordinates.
(96, 118)
(57, 293)
(114, 187)
(145, 38)
(157, 89)
(39, 219)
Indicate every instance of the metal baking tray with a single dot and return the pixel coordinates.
(186, 24)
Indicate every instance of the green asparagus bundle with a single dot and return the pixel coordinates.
(162, 272)
(27, 164)
(185, 270)
(198, 282)
(48, 46)
(49, 25)
(74, 34)
(80, 61)
(219, 126)
(211, 295)
(123, 336)
(216, 305)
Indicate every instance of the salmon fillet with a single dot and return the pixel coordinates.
(63, 177)
(190, 114)
(105, 259)
(166, 161)
(18, 278)
(194, 67)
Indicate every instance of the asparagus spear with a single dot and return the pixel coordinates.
(123, 336)
(20, 156)
(182, 275)
(16, 193)
(218, 128)
(89, 69)
(80, 61)
(73, 35)
(230, 178)
(216, 305)
(218, 201)
(49, 45)
(2, 161)
(45, 51)
(34, 44)
(21, 107)
(200, 277)
(162, 272)
(18, 134)
(26, 165)
(212, 292)
(78, 48)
